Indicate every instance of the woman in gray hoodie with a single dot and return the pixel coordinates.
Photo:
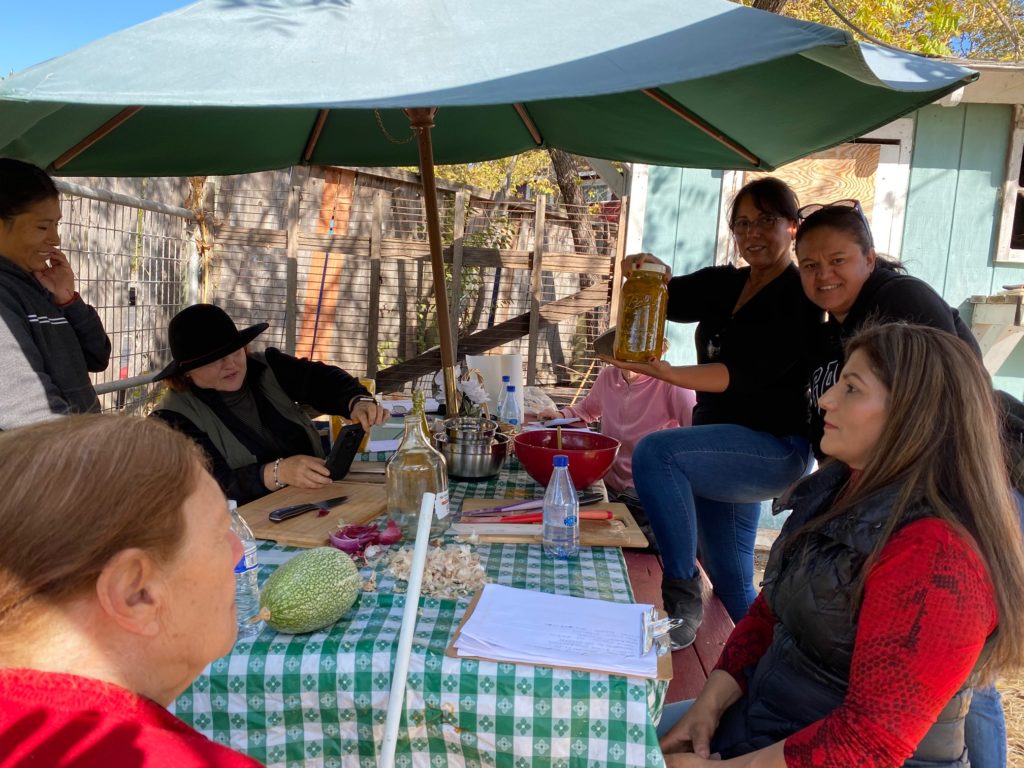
(49, 338)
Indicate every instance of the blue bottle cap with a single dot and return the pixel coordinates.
(506, 379)
(510, 388)
(561, 461)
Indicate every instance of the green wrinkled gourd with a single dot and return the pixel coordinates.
(311, 591)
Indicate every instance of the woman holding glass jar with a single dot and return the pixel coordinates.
(703, 485)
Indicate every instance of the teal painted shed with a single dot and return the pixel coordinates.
(942, 186)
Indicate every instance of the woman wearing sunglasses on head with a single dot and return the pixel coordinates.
(705, 484)
(893, 587)
(843, 275)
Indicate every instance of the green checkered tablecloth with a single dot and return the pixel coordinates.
(321, 699)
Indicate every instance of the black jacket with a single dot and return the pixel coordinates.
(326, 388)
(886, 296)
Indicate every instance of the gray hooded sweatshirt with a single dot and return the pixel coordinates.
(46, 351)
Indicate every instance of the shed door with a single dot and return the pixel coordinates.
(874, 170)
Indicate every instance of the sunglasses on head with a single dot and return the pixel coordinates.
(849, 204)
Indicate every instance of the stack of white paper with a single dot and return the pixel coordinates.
(519, 625)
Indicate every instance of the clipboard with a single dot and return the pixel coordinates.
(664, 662)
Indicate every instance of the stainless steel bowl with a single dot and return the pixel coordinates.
(473, 460)
(470, 429)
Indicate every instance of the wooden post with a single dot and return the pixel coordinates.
(373, 311)
(620, 254)
(206, 234)
(536, 289)
(292, 274)
(457, 235)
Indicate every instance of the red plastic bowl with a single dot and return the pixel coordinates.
(590, 454)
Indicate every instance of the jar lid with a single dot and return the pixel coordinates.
(650, 266)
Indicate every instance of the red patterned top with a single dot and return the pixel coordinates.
(54, 719)
(928, 607)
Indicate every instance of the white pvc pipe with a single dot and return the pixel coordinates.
(412, 599)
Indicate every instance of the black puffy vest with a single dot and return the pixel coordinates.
(805, 672)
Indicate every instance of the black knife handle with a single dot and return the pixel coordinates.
(285, 513)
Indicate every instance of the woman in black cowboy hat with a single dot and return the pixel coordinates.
(244, 409)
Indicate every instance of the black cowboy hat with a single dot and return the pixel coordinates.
(201, 334)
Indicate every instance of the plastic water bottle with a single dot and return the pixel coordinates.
(503, 396)
(509, 410)
(561, 513)
(247, 588)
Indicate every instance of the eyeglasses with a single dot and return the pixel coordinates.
(848, 204)
(763, 223)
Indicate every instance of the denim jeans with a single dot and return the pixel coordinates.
(985, 729)
(703, 486)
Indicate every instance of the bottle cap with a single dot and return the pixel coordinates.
(510, 388)
(506, 379)
(561, 461)
(649, 266)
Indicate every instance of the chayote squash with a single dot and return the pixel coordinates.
(311, 591)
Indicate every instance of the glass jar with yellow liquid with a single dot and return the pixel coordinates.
(640, 333)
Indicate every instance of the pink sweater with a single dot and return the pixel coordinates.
(630, 410)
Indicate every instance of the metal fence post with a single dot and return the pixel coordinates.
(458, 231)
(292, 274)
(536, 289)
(373, 311)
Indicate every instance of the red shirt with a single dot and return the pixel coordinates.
(50, 719)
(928, 607)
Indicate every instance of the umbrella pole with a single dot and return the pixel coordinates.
(422, 119)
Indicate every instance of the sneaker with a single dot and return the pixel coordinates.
(682, 599)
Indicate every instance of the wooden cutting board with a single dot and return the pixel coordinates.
(365, 502)
(621, 531)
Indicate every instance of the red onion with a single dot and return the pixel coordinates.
(391, 534)
(353, 539)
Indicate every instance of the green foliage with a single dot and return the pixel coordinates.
(530, 169)
(979, 29)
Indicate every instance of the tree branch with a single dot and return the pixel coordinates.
(772, 6)
(1014, 35)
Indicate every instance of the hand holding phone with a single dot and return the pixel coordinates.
(344, 450)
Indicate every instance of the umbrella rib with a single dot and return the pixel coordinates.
(679, 110)
(528, 122)
(314, 135)
(108, 127)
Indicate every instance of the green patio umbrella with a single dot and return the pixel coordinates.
(233, 86)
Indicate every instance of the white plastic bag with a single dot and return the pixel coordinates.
(536, 401)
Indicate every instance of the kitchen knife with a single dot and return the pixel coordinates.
(285, 513)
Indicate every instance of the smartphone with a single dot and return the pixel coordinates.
(339, 460)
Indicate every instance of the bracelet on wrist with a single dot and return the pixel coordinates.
(277, 479)
(74, 297)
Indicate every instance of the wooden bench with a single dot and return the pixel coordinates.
(690, 666)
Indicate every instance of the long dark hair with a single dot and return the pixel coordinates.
(21, 186)
(941, 447)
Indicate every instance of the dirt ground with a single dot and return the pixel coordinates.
(1012, 689)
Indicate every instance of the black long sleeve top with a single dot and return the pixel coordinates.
(764, 346)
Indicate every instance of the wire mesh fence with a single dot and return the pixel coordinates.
(131, 261)
(337, 261)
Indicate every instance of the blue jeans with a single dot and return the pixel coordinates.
(985, 729)
(704, 486)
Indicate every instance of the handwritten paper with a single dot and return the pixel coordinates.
(520, 625)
